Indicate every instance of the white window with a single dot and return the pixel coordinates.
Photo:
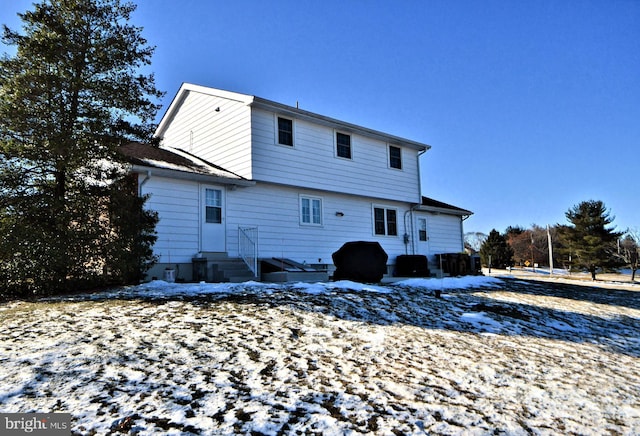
(311, 210)
(285, 131)
(343, 145)
(213, 206)
(385, 221)
(422, 229)
(395, 157)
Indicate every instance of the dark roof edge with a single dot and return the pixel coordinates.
(186, 175)
(432, 205)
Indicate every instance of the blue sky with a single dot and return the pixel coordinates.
(530, 106)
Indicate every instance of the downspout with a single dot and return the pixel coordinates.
(415, 206)
(420, 153)
(410, 236)
(145, 180)
(463, 218)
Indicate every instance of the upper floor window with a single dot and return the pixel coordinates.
(385, 221)
(311, 210)
(285, 131)
(343, 145)
(395, 157)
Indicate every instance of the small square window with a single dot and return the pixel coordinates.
(343, 145)
(285, 131)
(395, 157)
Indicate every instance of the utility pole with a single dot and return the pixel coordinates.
(533, 261)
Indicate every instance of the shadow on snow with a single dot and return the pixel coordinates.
(466, 310)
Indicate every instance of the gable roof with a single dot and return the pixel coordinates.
(176, 163)
(431, 205)
(294, 112)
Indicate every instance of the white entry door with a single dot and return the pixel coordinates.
(212, 219)
(422, 246)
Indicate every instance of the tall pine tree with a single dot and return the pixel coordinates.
(495, 251)
(69, 97)
(590, 242)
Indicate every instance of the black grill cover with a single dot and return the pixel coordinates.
(360, 261)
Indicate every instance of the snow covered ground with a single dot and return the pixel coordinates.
(492, 356)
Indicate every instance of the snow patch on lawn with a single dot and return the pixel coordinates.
(452, 282)
(482, 322)
(337, 358)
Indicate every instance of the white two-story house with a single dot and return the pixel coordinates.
(238, 176)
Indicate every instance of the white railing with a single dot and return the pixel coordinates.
(248, 247)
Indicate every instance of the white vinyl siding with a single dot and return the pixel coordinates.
(445, 234)
(215, 129)
(177, 204)
(312, 163)
(274, 210)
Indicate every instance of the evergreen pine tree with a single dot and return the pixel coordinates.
(495, 251)
(589, 240)
(68, 98)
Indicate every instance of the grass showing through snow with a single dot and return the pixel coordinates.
(505, 356)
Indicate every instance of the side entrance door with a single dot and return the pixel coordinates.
(422, 236)
(212, 218)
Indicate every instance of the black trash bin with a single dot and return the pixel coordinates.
(476, 266)
(199, 272)
(412, 265)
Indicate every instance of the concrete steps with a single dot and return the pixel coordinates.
(223, 269)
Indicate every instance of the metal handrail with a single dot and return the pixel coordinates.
(248, 247)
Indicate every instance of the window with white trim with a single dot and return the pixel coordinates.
(395, 157)
(343, 145)
(285, 131)
(311, 210)
(422, 229)
(213, 206)
(385, 221)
